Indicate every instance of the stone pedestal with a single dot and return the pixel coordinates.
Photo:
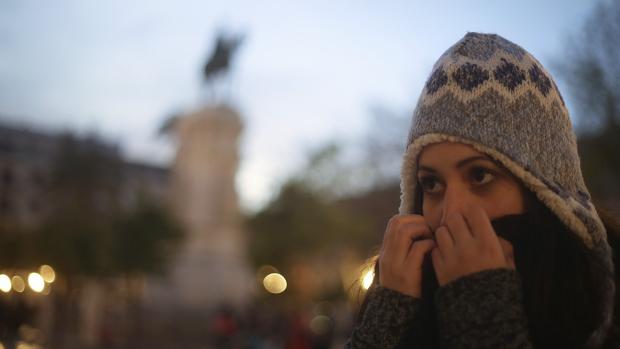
(211, 268)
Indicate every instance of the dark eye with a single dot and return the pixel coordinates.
(430, 184)
(481, 176)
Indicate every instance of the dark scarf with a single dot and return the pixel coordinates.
(550, 261)
(516, 229)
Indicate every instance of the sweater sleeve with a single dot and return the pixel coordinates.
(483, 310)
(385, 321)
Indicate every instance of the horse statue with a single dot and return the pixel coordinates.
(216, 68)
(221, 57)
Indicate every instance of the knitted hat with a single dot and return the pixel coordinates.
(490, 93)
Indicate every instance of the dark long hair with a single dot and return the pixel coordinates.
(564, 282)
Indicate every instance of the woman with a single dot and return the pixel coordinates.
(497, 244)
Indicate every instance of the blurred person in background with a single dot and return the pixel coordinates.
(498, 243)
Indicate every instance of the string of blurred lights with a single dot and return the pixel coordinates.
(38, 282)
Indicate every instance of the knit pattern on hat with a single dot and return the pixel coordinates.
(490, 93)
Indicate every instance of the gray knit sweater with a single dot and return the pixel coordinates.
(481, 310)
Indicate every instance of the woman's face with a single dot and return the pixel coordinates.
(453, 176)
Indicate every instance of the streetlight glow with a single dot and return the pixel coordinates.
(36, 282)
(48, 273)
(18, 283)
(5, 284)
(367, 278)
(274, 283)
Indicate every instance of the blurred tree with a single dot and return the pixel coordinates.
(592, 73)
(87, 230)
(305, 219)
(330, 173)
(340, 171)
(89, 233)
(144, 239)
(83, 201)
(17, 250)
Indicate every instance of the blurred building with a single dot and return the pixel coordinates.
(26, 160)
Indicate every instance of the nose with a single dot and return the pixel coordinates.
(456, 198)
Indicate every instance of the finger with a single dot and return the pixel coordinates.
(458, 228)
(444, 239)
(392, 252)
(387, 235)
(405, 238)
(508, 250)
(390, 258)
(437, 259)
(395, 222)
(391, 239)
(479, 223)
(416, 254)
(511, 263)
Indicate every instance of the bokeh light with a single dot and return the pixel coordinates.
(36, 282)
(320, 324)
(5, 284)
(367, 276)
(48, 273)
(274, 283)
(18, 283)
(322, 308)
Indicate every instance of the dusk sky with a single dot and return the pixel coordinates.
(308, 71)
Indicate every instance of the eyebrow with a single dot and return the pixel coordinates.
(459, 164)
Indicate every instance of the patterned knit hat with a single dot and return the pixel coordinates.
(487, 92)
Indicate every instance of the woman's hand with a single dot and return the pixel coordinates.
(400, 259)
(468, 244)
